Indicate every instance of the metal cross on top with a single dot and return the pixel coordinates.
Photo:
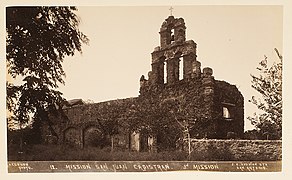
(171, 8)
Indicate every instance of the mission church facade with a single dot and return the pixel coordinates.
(167, 108)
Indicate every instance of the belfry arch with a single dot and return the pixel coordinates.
(175, 58)
(172, 66)
(172, 31)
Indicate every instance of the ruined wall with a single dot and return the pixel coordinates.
(261, 150)
(185, 99)
(229, 97)
(202, 99)
(157, 106)
(94, 121)
(213, 108)
(197, 94)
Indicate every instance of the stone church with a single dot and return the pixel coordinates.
(178, 98)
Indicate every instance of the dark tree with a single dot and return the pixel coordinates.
(38, 39)
(269, 84)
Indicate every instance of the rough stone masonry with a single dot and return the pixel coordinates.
(168, 105)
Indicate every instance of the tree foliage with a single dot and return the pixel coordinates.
(269, 84)
(38, 39)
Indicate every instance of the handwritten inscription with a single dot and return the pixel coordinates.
(151, 167)
(102, 167)
(71, 167)
(205, 167)
(120, 167)
(115, 167)
(52, 167)
(22, 167)
(251, 166)
(141, 166)
(201, 167)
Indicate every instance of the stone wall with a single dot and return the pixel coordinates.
(228, 96)
(262, 150)
(202, 100)
(81, 123)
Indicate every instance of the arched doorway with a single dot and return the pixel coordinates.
(72, 136)
(93, 137)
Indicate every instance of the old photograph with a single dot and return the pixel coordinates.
(144, 88)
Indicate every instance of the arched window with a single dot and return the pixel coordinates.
(228, 110)
(181, 68)
(226, 113)
(164, 73)
(171, 35)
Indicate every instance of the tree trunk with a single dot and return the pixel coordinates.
(189, 148)
(112, 142)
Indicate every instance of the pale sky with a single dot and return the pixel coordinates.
(230, 39)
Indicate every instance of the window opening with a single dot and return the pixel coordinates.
(226, 113)
(181, 68)
(165, 72)
(171, 35)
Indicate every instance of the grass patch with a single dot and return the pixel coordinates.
(65, 153)
(210, 152)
